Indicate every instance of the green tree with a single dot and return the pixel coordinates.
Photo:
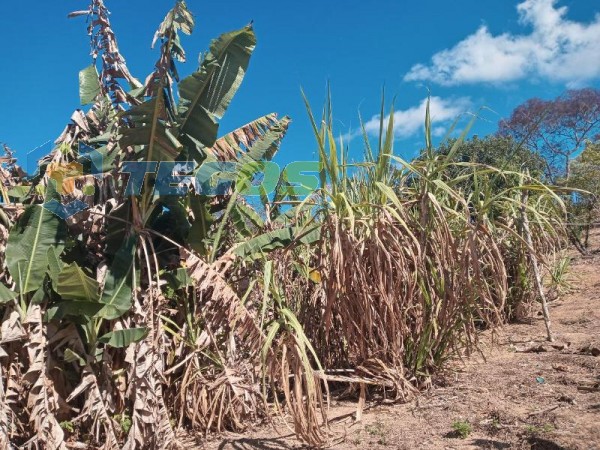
(496, 151)
(584, 208)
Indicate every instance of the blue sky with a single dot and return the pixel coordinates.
(468, 54)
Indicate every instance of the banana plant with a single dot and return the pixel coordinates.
(88, 273)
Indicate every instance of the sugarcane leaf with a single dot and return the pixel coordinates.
(273, 330)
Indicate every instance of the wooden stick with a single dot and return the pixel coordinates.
(534, 262)
(361, 402)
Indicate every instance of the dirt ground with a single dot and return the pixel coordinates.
(515, 399)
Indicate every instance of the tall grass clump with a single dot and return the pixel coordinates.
(412, 263)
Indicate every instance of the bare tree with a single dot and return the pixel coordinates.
(557, 129)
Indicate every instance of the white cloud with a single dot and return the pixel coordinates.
(556, 49)
(411, 121)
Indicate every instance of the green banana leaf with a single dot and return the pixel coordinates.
(267, 145)
(255, 141)
(117, 225)
(123, 338)
(55, 265)
(37, 230)
(150, 131)
(6, 295)
(206, 94)
(103, 159)
(72, 356)
(200, 227)
(116, 296)
(272, 240)
(17, 193)
(89, 85)
(178, 278)
(245, 219)
(74, 284)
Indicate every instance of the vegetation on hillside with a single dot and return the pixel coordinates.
(584, 205)
(557, 129)
(565, 132)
